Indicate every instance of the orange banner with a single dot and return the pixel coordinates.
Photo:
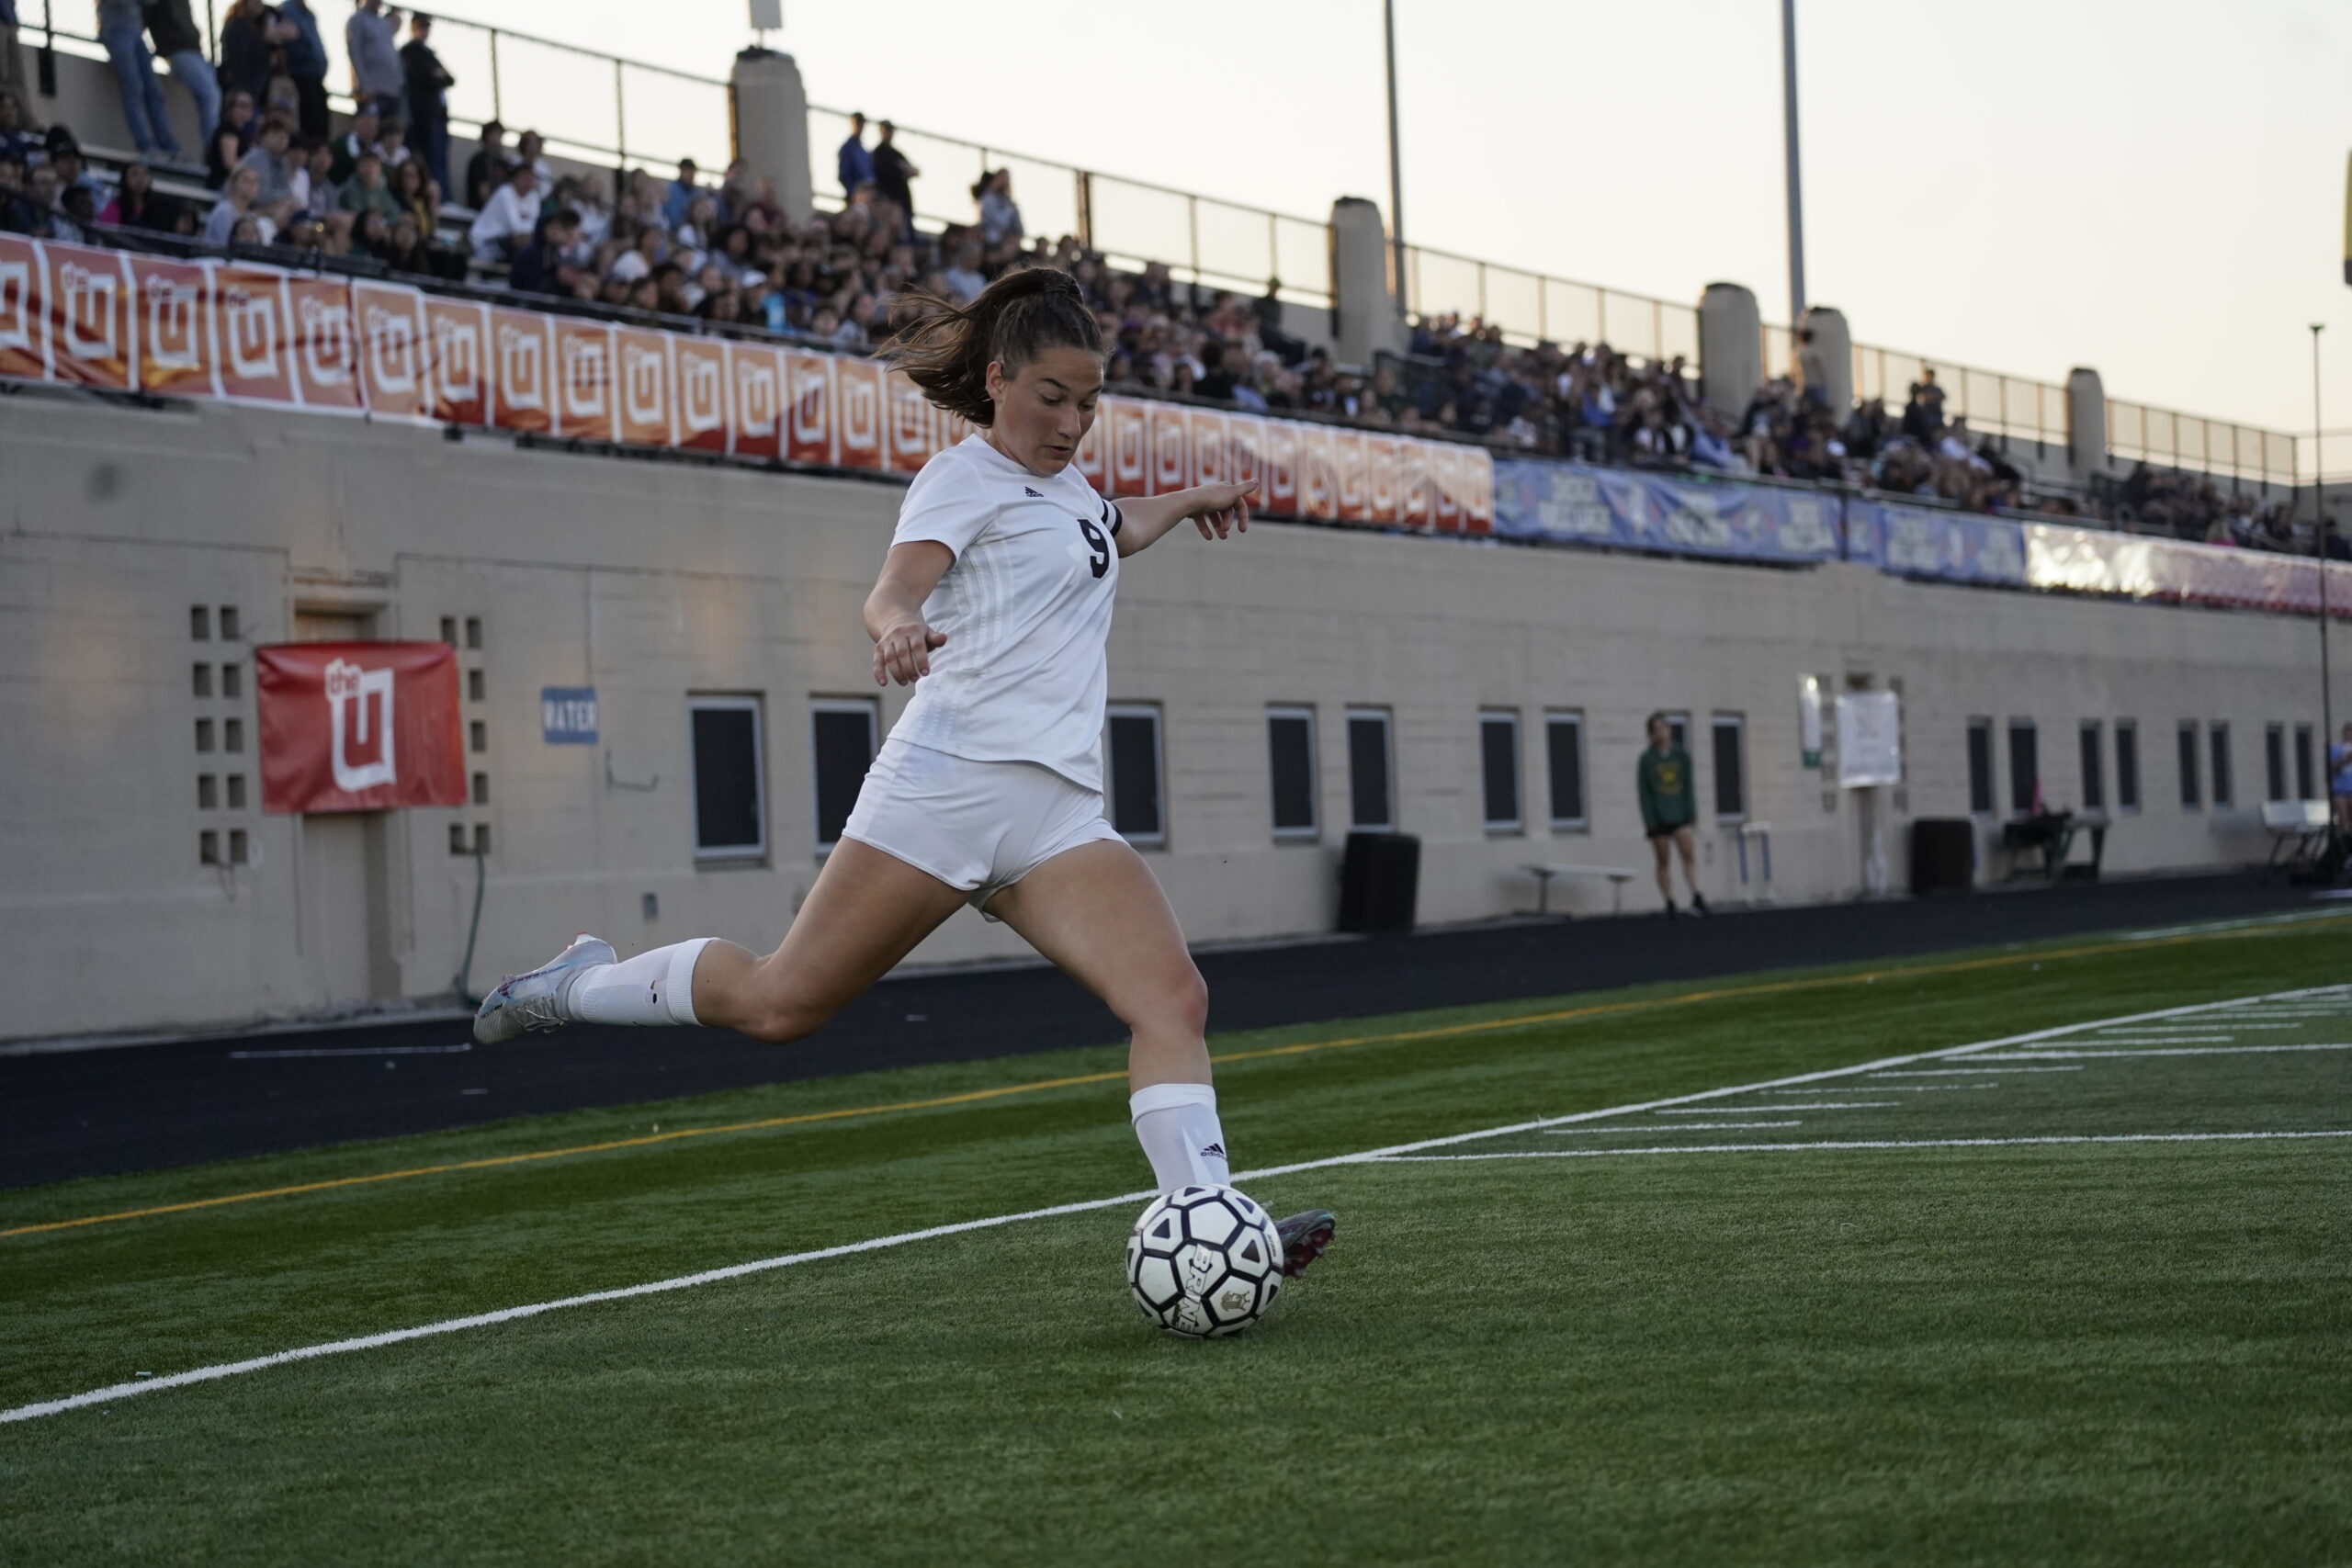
(640, 378)
(698, 388)
(79, 316)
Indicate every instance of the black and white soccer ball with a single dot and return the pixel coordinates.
(1204, 1262)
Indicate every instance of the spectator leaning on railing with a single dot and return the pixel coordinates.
(427, 82)
(122, 29)
(173, 27)
(854, 164)
(374, 50)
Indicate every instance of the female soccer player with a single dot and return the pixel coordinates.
(995, 603)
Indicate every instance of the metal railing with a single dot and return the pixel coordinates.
(1201, 239)
(1533, 307)
(2173, 440)
(587, 104)
(583, 103)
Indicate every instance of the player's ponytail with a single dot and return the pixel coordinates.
(947, 350)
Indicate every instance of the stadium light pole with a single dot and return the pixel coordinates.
(1395, 169)
(1796, 189)
(2319, 543)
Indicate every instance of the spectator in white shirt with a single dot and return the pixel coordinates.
(239, 200)
(508, 218)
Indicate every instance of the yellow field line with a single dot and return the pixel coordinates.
(1522, 1020)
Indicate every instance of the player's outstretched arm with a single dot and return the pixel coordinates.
(902, 640)
(1216, 510)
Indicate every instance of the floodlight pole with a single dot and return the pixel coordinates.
(1395, 169)
(2319, 542)
(1796, 189)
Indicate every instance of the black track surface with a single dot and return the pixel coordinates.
(146, 1106)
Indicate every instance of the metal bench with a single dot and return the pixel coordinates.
(1543, 874)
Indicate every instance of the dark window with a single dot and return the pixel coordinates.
(2274, 761)
(1372, 799)
(1980, 766)
(1290, 752)
(730, 820)
(199, 622)
(1498, 767)
(841, 737)
(229, 629)
(2187, 756)
(2219, 733)
(1564, 752)
(2025, 766)
(2306, 786)
(1731, 768)
(2127, 764)
(1134, 756)
(232, 682)
(2094, 772)
(203, 679)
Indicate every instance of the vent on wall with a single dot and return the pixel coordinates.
(216, 682)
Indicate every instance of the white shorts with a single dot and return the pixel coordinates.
(980, 826)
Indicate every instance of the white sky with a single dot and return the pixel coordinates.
(2153, 187)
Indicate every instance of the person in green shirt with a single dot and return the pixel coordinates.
(1670, 810)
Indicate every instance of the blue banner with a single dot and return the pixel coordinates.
(1951, 547)
(1570, 504)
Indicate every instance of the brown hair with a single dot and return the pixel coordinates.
(947, 350)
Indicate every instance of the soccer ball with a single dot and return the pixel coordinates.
(1205, 1262)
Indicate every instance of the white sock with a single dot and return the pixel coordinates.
(1176, 1124)
(652, 987)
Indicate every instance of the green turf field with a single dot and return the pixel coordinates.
(2042, 1302)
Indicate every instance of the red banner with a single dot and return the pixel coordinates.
(641, 382)
(358, 725)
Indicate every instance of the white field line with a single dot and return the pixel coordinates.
(2163, 1038)
(1960, 1073)
(2236, 1026)
(1895, 1088)
(1685, 1127)
(2294, 918)
(1869, 1144)
(2163, 1051)
(1809, 1105)
(1367, 1157)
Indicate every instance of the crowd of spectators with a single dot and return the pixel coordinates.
(726, 251)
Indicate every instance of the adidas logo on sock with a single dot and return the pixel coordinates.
(1215, 1151)
(1034, 495)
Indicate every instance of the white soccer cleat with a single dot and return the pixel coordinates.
(524, 1002)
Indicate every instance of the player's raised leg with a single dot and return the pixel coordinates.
(1097, 911)
(867, 910)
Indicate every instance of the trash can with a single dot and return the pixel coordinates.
(1943, 854)
(1380, 881)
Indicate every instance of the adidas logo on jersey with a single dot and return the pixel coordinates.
(1033, 494)
(1215, 1151)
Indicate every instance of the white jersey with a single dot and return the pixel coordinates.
(1025, 607)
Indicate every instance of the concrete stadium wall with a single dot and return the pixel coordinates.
(650, 580)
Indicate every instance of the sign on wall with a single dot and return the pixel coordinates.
(568, 716)
(358, 725)
(1870, 740)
